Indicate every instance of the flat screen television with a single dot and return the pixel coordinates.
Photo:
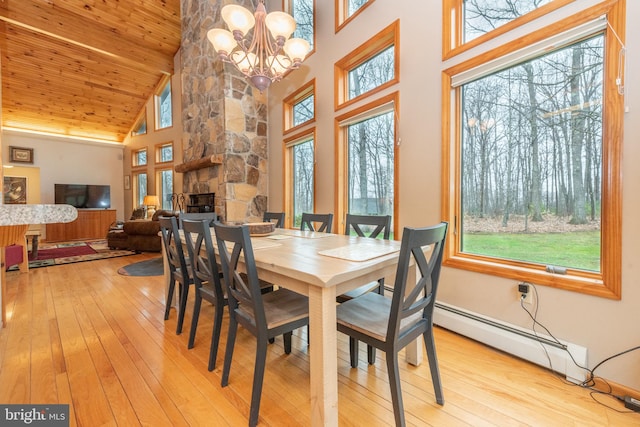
(83, 196)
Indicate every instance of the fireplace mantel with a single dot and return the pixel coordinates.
(204, 162)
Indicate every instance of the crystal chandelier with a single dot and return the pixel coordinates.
(270, 53)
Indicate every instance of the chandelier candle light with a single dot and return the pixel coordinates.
(269, 54)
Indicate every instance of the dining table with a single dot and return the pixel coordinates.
(322, 266)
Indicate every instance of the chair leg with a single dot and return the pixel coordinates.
(183, 306)
(172, 287)
(287, 342)
(215, 335)
(396, 391)
(194, 319)
(258, 377)
(371, 355)
(228, 354)
(353, 352)
(433, 365)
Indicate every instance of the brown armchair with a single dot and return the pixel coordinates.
(144, 235)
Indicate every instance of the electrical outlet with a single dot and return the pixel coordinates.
(525, 289)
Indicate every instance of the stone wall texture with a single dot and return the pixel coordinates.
(221, 114)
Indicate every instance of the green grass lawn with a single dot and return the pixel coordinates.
(580, 250)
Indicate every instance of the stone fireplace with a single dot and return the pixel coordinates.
(224, 120)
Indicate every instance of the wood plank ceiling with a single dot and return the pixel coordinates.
(84, 67)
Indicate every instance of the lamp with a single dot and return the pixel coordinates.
(150, 202)
(266, 57)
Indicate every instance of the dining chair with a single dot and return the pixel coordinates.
(206, 279)
(179, 271)
(366, 226)
(390, 324)
(211, 217)
(266, 316)
(278, 217)
(323, 222)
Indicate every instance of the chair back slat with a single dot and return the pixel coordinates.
(375, 224)
(172, 243)
(408, 301)
(242, 289)
(211, 217)
(197, 236)
(277, 217)
(324, 222)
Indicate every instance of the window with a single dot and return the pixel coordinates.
(163, 106)
(367, 165)
(299, 107)
(346, 10)
(139, 157)
(468, 23)
(140, 128)
(299, 176)
(139, 188)
(534, 187)
(303, 11)
(164, 153)
(164, 184)
(370, 68)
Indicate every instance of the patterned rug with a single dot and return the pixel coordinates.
(70, 252)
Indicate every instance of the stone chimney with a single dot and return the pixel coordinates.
(222, 116)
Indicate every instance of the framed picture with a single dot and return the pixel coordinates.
(14, 190)
(127, 182)
(20, 154)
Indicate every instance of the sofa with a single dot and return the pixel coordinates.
(139, 235)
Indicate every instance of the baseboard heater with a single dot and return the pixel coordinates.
(514, 340)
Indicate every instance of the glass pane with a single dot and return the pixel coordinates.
(354, 5)
(164, 107)
(166, 188)
(141, 129)
(482, 16)
(141, 187)
(140, 158)
(532, 160)
(303, 183)
(302, 12)
(166, 153)
(373, 73)
(371, 166)
(303, 111)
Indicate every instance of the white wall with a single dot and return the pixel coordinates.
(68, 161)
(603, 326)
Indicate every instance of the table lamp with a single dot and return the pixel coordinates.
(151, 202)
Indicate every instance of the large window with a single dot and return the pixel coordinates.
(299, 177)
(139, 157)
(164, 152)
(534, 192)
(164, 118)
(139, 188)
(303, 11)
(164, 184)
(468, 23)
(368, 159)
(346, 10)
(368, 69)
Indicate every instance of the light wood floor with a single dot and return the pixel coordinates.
(83, 334)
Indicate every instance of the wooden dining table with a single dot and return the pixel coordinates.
(321, 266)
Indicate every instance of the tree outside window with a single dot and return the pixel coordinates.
(303, 179)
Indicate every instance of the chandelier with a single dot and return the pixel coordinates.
(270, 54)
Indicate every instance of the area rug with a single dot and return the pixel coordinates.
(150, 267)
(69, 252)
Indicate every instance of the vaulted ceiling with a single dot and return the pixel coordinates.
(84, 67)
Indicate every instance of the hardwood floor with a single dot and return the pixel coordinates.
(85, 335)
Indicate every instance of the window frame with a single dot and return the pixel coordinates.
(607, 282)
(341, 7)
(159, 192)
(166, 81)
(287, 155)
(453, 26)
(158, 148)
(341, 154)
(389, 36)
(135, 131)
(134, 157)
(135, 196)
(288, 105)
(287, 7)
